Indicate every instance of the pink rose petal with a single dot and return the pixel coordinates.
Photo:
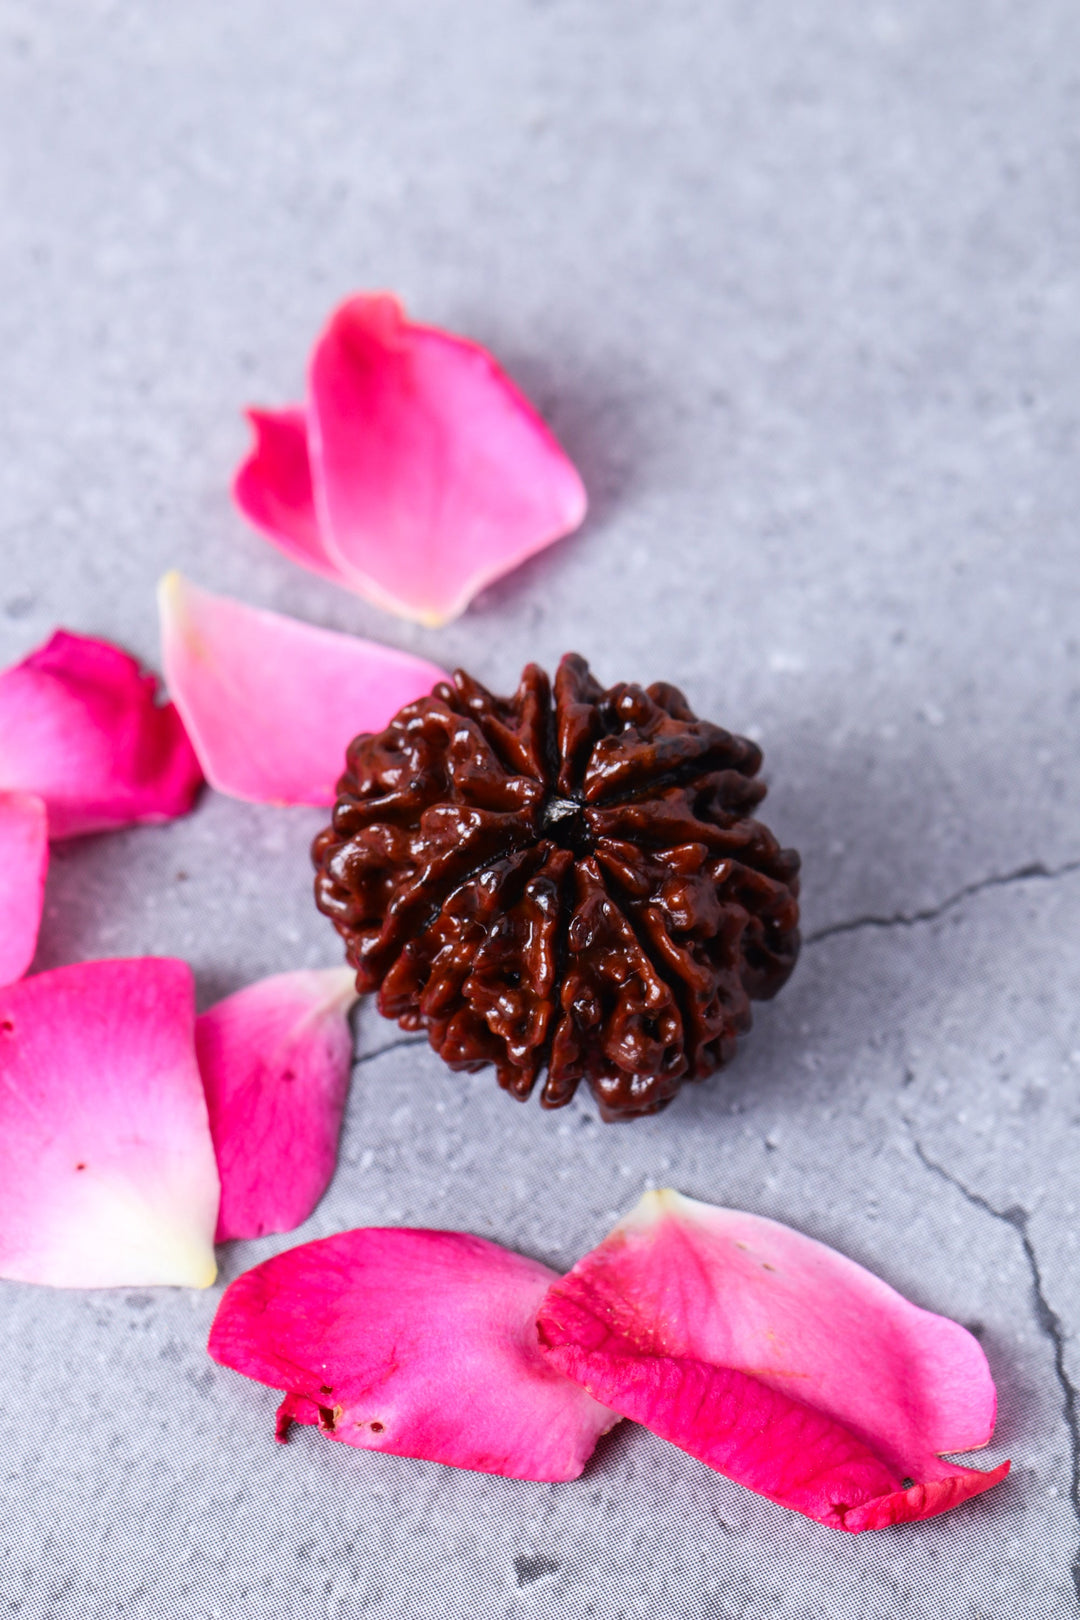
(273, 489)
(427, 473)
(414, 1342)
(80, 726)
(776, 1361)
(24, 861)
(270, 703)
(275, 1060)
(107, 1173)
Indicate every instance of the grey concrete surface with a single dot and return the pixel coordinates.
(797, 286)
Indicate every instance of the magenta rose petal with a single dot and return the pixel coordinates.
(271, 703)
(24, 861)
(273, 489)
(419, 1343)
(777, 1361)
(81, 726)
(425, 475)
(275, 1060)
(107, 1172)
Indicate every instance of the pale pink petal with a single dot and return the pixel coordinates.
(415, 1342)
(275, 1060)
(24, 861)
(107, 1173)
(777, 1361)
(432, 473)
(273, 490)
(270, 703)
(81, 727)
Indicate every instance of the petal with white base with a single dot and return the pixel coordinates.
(270, 703)
(107, 1172)
(777, 1361)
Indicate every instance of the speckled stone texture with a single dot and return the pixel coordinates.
(797, 286)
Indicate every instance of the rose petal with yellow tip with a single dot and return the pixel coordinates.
(107, 1172)
(776, 1361)
(271, 703)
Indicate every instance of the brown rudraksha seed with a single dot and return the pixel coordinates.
(576, 886)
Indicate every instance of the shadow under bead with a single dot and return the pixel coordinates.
(568, 882)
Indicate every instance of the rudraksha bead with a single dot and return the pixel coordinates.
(567, 882)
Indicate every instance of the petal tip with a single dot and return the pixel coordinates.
(271, 703)
(343, 989)
(195, 1264)
(172, 593)
(923, 1501)
(654, 1203)
(206, 1274)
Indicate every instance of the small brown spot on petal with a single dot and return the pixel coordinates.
(377, 1428)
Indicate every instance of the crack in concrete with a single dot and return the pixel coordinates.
(1049, 1322)
(1034, 870)
(392, 1046)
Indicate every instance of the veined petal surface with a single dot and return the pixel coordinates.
(776, 1361)
(431, 473)
(107, 1173)
(81, 726)
(419, 1343)
(24, 861)
(275, 1060)
(271, 703)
